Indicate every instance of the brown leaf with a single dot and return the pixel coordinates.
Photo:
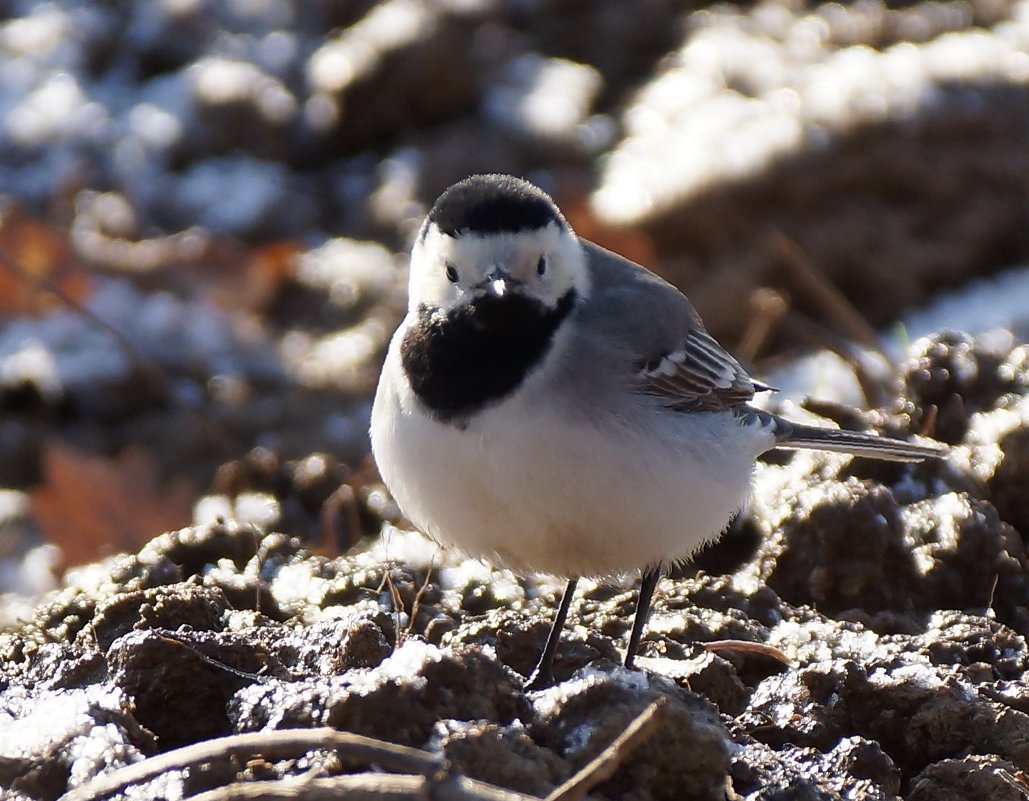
(237, 277)
(91, 506)
(33, 257)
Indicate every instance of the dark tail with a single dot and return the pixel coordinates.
(798, 436)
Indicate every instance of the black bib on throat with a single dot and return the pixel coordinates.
(461, 361)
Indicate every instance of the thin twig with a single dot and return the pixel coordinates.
(825, 292)
(172, 638)
(364, 787)
(354, 787)
(604, 765)
(339, 515)
(281, 744)
(153, 374)
(398, 609)
(461, 788)
(766, 306)
(144, 365)
(394, 596)
(990, 611)
(817, 335)
(1018, 780)
(416, 604)
(929, 419)
(259, 552)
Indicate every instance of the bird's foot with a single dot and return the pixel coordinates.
(539, 679)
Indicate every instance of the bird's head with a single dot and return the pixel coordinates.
(492, 237)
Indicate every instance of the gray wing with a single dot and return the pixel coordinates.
(701, 375)
(674, 359)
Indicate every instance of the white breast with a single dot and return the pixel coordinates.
(537, 488)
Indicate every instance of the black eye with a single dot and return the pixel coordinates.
(541, 265)
(451, 273)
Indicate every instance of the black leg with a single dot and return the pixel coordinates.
(543, 675)
(648, 584)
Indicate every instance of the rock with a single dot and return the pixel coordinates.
(405, 62)
(179, 682)
(502, 755)
(959, 376)
(976, 776)
(579, 718)
(399, 700)
(855, 768)
(838, 545)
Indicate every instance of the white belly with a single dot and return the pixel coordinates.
(554, 495)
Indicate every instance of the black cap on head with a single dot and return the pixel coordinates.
(491, 204)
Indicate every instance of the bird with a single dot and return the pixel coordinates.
(552, 407)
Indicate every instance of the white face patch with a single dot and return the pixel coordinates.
(542, 264)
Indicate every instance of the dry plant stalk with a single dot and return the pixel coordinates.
(281, 744)
(604, 765)
(419, 776)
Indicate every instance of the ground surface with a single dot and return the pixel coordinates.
(205, 211)
(897, 594)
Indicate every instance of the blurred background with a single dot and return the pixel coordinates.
(205, 207)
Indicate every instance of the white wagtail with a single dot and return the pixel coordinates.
(553, 407)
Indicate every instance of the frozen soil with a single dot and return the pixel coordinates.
(725, 146)
(737, 149)
(897, 595)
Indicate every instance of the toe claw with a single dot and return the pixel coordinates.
(539, 680)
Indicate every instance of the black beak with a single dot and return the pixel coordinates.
(498, 284)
